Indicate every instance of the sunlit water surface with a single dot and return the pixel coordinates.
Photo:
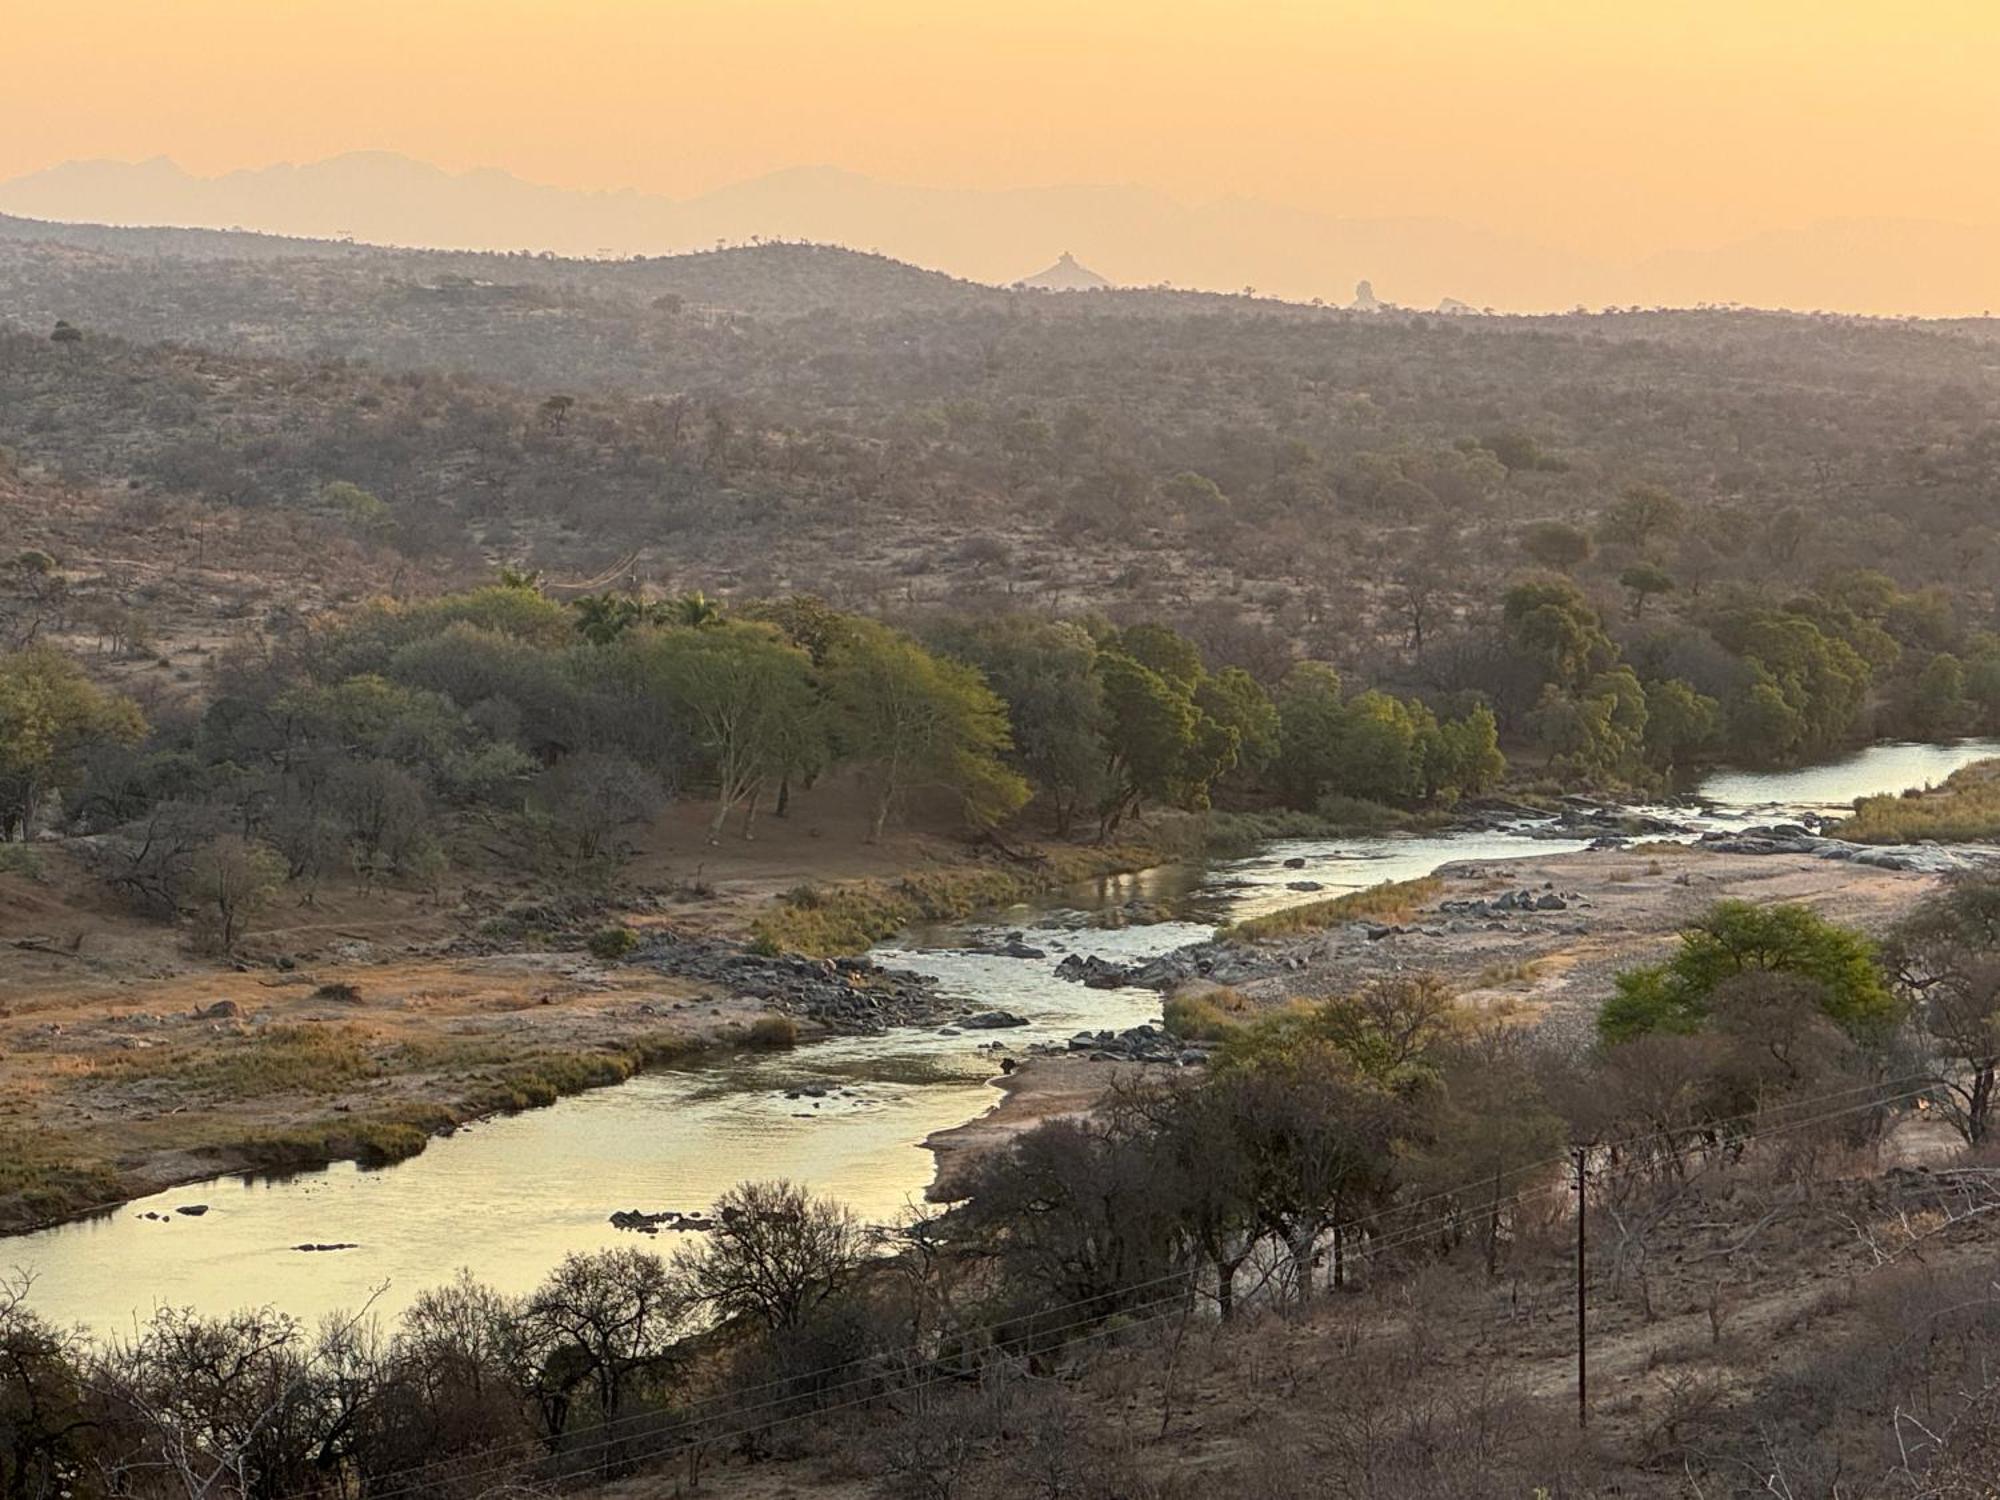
(507, 1198)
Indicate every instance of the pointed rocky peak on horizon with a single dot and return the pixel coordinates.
(1066, 275)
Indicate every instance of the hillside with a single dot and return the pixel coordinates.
(1356, 487)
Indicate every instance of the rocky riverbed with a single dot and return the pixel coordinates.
(847, 996)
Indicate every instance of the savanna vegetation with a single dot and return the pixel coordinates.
(1368, 1171)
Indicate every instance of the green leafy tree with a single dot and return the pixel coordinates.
(1463, 757)
(1643, 581)
(1237, 701)
(51, 718)
(1681, 724)
(1311, 712)
(1151, 730)
(232, 879)
(1046, 673)
(1821, 682)
(1166, 651)
(1939, 706)
(918, 720)
(1597, 734)
(740, 688)
(1552, 625)
(1735, 938)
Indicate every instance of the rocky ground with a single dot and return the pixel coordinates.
(1538, 938)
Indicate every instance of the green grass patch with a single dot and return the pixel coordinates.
(1965, 810)
(46, 1176)
(272, 1060)
(1209, 1017)
(828, 921)
(1391, 901)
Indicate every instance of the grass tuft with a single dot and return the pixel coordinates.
(1965, 810)
(1391, 901)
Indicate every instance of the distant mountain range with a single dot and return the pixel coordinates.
(1133, 236)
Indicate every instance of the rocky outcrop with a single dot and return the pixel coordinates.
(1143, 1044)
(1514, 903)
(1794, 838)
(851, 995)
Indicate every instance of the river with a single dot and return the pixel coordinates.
(507, 1198)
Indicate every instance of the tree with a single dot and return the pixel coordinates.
(44, 1418)
(1938, 704)
(1945, 956)
(1644, 512)
(1159, 745)
(231, 880)
(608, 1322)
(1681, 724)
(1555, 545)
(1312, 711)
(1517, 451)
(1078, 1213)
(915, 719)
(1735, 938)
(1233, 699)
(775, 1255)
(1045, 672)
(1805, 689)
(741, 689)
(1320, 1140)
(1642, 581)
(1462, 757)
(356, 506)
(1551, 624)
(51, 717)
(695, 611)
(588, 800)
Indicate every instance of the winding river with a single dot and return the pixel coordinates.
(506, 1198)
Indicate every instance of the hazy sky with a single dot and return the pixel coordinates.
(1610, 126)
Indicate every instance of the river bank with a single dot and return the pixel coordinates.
(370, 1022)
(1535, 939)
(467, 1018)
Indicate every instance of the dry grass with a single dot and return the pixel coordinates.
(1391, 901)
(1966, 809)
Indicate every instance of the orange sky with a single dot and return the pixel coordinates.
(1609, 126)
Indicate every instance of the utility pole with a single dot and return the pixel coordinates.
(1582, 1347)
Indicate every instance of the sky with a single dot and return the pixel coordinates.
(1606, 127)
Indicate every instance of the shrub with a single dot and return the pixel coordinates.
(613, 943)
(775, 1032)
(1207, 1017)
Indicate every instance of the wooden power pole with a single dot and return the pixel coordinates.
(1582, 1284)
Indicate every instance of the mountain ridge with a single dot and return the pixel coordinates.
(1137, 236)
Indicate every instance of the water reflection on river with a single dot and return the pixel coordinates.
(507, 1198)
